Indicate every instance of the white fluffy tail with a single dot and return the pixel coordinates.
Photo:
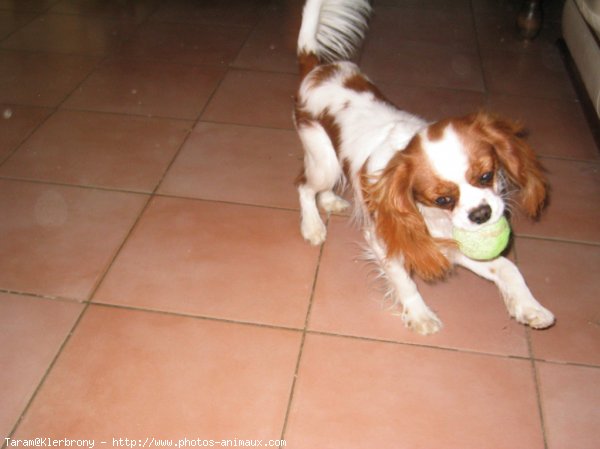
(332, 30)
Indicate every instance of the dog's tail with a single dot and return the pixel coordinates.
(331, 31)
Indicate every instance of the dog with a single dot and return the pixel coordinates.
(412, 181)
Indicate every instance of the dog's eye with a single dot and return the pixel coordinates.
(486, 178)
(444, 201)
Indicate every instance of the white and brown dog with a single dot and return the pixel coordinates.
(412, 181)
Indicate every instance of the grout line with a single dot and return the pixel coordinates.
(195, 317)
(456, 350)
(295, 329)
(562, 363)
(246, 125)
(536, 383)
(198, 118)
(75, 186)
(118, 250)
(569, 159)
(235, 68)
(231, 203)
(87, 304)
(250, 34)
(156, 194)
(42, 381)
(144, 193)
(124, 58)
(303, 340)
(198, 24)
(557, 239)
(134, 115)
(40, 296)
(479, 53)
(189, 133)
(51, 112)
(419, 345)
(35, 16)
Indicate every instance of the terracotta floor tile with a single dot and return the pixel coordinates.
(37, 328)
(57, 241)
(348, 300)
(69, 34)
(11, 21)
(266, 159)
(569, 216)
(185, 43)
(16, 123)
(570, 401)
(540, 75)
(41, 79)
(26, 5)
(147, 88)
(222, 12)
(75, 148)
(131, 11)
(555, 127)
(357, 394)
(445, 26)
(272, 44)
(191, 290)
(217, 260)
(139, 375)
(235, 102)
(422, 64)
(565, 278)
(433, 103)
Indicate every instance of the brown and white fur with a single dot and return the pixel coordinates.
(412, 181)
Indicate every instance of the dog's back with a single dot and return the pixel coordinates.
(348, 129)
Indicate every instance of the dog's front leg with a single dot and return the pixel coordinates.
(415, 313)
(519, 301)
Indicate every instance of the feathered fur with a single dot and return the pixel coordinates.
(333, 29)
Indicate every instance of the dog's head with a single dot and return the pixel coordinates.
(462, 166)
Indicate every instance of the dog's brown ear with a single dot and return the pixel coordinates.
(399, 224)
(517, 159)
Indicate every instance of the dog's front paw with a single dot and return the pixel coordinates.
(534, 316)
(422, 321)
(314, 231)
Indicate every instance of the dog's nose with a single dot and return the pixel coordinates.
(480, 214)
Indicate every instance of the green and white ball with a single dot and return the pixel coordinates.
(486, 243)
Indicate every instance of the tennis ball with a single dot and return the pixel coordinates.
(486, 243)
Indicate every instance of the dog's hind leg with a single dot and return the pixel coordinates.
(321, 173)
(332, 203)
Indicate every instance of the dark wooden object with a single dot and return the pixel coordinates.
(529, 20)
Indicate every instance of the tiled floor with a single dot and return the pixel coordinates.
(153, 282)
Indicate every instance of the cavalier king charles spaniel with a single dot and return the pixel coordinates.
(412, 181)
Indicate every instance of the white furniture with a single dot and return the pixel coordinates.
(581, 32)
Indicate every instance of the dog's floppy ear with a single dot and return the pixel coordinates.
(399, 224)
(517, 159)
